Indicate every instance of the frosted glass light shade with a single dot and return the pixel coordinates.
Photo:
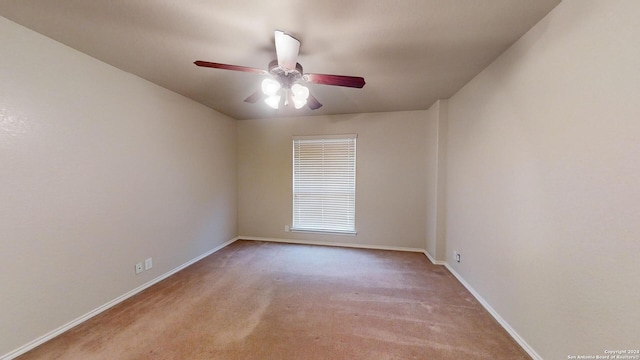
(273, 101)
(299, 92)
(270, 86)
(299, 103)
(300, 95)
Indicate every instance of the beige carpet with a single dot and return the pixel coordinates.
(256, 300)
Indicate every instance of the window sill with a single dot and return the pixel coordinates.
(324, 232)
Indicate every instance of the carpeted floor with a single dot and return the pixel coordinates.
(257, 300)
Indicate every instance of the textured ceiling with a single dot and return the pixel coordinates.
(410, 53)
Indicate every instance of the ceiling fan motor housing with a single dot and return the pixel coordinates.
(286, 77)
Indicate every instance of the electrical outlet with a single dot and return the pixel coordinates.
(457, 256)
(286, 228)
(139, 268)
(148, 264)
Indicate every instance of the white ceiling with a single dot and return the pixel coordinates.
(410, 52)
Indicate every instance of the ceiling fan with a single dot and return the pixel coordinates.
(283, 87)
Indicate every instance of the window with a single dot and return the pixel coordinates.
(324, 183)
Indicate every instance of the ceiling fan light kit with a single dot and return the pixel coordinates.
(286, 72)
(274, 91)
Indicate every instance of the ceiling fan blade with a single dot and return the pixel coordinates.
(255, 97)
(337, 80)
(230, 67)
(287, 48)
(313, 103)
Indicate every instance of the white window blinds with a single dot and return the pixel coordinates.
(324, 183)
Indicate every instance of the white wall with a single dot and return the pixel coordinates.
(543, 189)
(99, 170)
(390, 176)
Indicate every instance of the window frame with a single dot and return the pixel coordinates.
(324, 225)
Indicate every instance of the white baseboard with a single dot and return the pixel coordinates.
(329, 243)
(433, 261)
(495, 315)
(31, 345)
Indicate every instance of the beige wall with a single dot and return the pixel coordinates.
(99, 170)
(431, 179)
(441, 201)
(539, 166)
(390, 176)
(543, 194)
(436, 168)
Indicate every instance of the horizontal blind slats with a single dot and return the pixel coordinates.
(324, 184)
